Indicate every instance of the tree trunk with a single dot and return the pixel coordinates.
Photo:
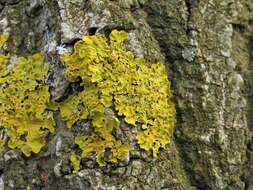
(207, 46)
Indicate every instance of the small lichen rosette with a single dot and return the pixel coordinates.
(117, 83)
(23, 103)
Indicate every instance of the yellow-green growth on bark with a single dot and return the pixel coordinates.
(75, 162)
(117, 82)
(23, 102)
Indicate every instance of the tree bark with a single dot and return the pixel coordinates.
(207, 46)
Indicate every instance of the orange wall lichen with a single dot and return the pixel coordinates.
(23, 101)
(116, 83)
(117, 80)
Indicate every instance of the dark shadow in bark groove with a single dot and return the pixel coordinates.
(160, 23)
(249, 152)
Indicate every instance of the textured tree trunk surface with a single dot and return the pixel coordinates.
(208, 48)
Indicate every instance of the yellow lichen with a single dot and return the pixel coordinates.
(117, 82)
(4, 59)
(3, 39)
(75, 162)
(71, 110)
(23, 103)
(28, 187)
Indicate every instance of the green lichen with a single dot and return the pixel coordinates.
(23, 103)
(117, 83)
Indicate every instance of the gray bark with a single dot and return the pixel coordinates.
(207, 46)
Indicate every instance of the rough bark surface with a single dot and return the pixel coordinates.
(207, 46)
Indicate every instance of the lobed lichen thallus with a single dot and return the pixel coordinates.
(116, 83)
